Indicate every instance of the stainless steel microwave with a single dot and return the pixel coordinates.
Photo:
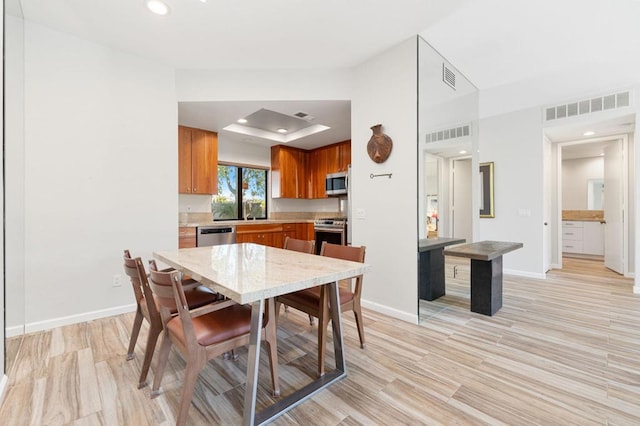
(336, 183)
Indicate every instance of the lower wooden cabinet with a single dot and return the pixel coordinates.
(186, 237)
(267, 234)
(273, 235)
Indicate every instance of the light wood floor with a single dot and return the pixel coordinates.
(562, 351)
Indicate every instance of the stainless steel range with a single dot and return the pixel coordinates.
(332, 230)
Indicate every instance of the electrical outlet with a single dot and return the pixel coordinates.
(117, 280)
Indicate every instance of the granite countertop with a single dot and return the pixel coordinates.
(242, 222)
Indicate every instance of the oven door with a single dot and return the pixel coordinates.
(331, 235)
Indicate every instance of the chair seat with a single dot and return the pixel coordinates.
(216, 326)
(311, 296)
(196, 297)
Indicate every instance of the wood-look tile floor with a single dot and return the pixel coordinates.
(565, 350)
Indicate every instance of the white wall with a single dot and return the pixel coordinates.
(14, 169)
(514, 142)
(3, 377)
(385, 92)
(100, 173)
(575, 176)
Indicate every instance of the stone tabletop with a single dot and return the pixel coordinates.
(483, 250)
(427, 244)
(248, 272)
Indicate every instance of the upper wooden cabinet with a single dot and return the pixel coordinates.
(289, 172)
(297, 173)
(197, 161)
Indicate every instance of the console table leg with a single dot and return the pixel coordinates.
(486, 286)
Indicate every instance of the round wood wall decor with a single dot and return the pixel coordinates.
(379, 146)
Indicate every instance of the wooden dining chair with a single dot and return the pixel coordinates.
(202, 334)
(310, 300)
(302, 246)
(197, 295)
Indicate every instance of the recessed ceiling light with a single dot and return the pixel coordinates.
(462, 152)
(242, 120)
(602, 154)
(589, 133)
(158, 7)
(203, 1)
(282, 130)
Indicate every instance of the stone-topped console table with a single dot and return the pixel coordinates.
(486, 272)
(431, 266)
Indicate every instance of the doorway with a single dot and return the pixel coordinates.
(592, 204)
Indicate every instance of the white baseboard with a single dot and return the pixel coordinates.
(386, 310)
(525, 274)
(4, 382)
(17, 330)
(74, 319)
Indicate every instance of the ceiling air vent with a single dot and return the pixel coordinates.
(304, 116)
(588, 106)
(450, 133)
(448, 77)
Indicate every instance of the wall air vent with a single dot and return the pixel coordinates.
(450, 133)
(588, 106)
(448, 76)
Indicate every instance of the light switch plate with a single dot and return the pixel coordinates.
(361, 213)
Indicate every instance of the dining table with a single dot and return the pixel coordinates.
(255, 274)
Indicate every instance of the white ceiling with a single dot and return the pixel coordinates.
(492, 42)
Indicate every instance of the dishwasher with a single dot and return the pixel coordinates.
(215, 235)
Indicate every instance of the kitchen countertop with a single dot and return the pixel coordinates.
(242, 222)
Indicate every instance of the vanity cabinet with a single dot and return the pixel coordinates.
(583, 237)
(197, 161)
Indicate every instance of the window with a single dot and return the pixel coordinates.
(249, 203)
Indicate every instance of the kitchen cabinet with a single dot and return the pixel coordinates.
(583, 237)
(328, 159)
(186, 237)
(289, 230)
(318, 166)
(267, 234)
(338, 157)
(297, 173)
(289, 172)
(197, 161)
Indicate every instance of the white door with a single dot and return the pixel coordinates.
(546, 231)
(462, 211)
(613, 207)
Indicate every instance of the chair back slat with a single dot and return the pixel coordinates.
(352, 253)
(167, 285)
(131, 270)
(302, 246)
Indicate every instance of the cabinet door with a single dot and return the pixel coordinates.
(204, 162)
(289, 172)
(318, 167)
(186, 237)
(344, 158)
(333, 158)
(593, 238)
(184, 160)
